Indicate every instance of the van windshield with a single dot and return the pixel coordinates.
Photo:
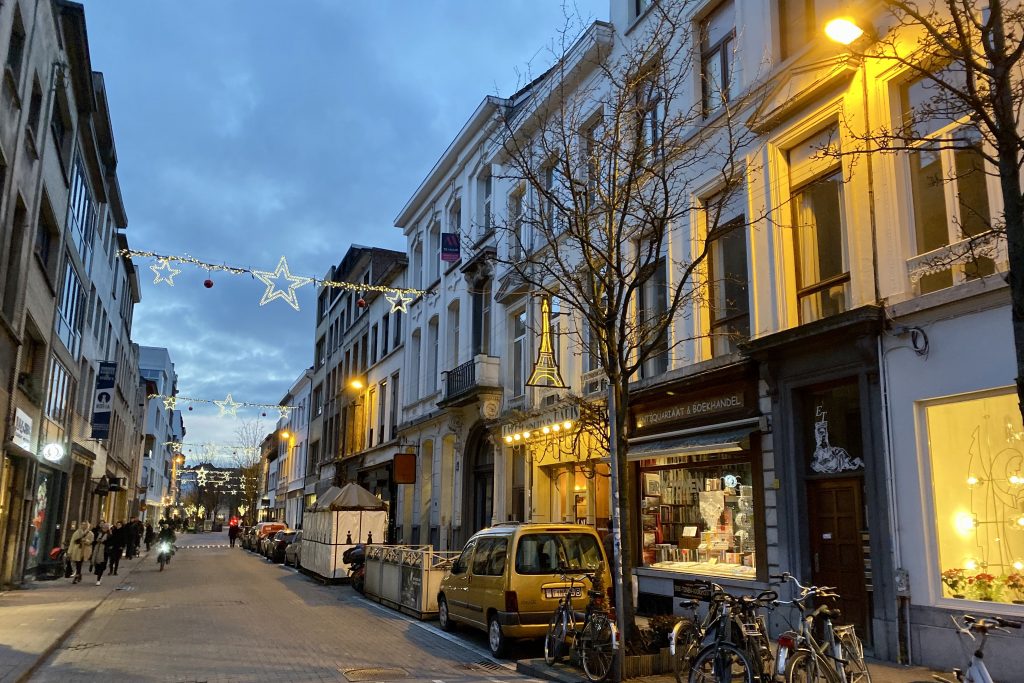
(542, 553)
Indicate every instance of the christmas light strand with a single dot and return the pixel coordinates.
(228, 406)
(165, 273)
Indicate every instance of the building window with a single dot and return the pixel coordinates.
(518, 231)
(395, 402)
(13, 276)
(800, 22)
(318, 400)
(592, 349)
(975, 453)
(547, 204)
(16, 46)
(638, 7)
(519, 350)
(652, 306)
(397, 315)
(484, 189)
(452, 342)
(433, 342)
(717, 42)
(482, 319)
(382, 410)
(374, 335)
(434, 252)
(59, 393)
(414, 365)
(454, 219)
(949, 183)
(321, 356)
(69, 316)
(81, 211)
(698, 514)
(35, 108)
(385, 338)
(728, 292)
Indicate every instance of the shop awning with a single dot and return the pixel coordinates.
(699, 443)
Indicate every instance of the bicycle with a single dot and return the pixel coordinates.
(595, 643)
(725, 659)
(688, 634)
(976, 672)
(838, 658)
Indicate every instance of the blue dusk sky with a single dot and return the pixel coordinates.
(247, 130)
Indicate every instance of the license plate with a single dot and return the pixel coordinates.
(577, 591)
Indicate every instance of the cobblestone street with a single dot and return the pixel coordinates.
(220, 614)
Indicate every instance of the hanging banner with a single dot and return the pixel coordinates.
(22, 429)
(103, 400)
(450, 248)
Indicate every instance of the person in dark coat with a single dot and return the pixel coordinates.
(116, 546)
(101, 550)
(150, 535)
(233, 534)
(135, 532)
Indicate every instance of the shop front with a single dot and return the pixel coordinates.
(834, 528)
(695, 452)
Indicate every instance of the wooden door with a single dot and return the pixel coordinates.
(835, 511)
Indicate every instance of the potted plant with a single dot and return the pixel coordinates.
(1015, 584)
(955, 580)
(984, 586)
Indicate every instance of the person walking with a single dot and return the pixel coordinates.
(100, 546)
(233, 534)
(150, 535)
(79, 548)
(118, 541)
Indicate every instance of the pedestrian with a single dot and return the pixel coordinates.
(150, 535)
(100, 544)
(118, 541)
(80, 548)
(133, 537)
(232, 534)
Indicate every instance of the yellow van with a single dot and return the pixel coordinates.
(507, 580)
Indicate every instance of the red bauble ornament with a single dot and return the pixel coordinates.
(208, 283)
(361, 303)
(264, 414)
(190, 407)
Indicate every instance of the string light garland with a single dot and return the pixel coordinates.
(398, 297)
(228, 406)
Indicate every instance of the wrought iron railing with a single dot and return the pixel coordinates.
(460, 380)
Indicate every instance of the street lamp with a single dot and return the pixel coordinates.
(843, 30)
(357, 384)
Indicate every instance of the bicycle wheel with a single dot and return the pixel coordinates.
(853, 653)
(597, 647)
(554, 641)
(687, 646)
(805, 666)
(722, 663)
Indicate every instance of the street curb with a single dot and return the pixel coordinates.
(540, 669)
(48, 652)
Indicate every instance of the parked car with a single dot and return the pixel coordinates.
(293, 553)
(265, 530)
(507, 581)
(248, 537)
(282, 539)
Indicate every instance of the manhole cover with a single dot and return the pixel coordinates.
(482, 664)
(354, 675)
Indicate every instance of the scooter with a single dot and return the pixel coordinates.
(164, 551)
(355, 558)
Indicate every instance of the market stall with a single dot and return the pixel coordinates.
(340, 519)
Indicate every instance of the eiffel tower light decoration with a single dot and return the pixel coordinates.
(545, 368)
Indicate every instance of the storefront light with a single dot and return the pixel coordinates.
(1016, 479)
(970, 564)
(555, 428)
(508, 439)
(972, 480)
(567, 425)
(517, 437)
(965, 523)
(546, 430)
(1020, 522)
(1018, 564)
(526, 435)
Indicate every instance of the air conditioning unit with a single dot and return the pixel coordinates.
(118, 483)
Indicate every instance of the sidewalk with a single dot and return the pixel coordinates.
(880, 673)
(36, 618)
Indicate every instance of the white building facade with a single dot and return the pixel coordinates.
(293, 449)
(163, 428)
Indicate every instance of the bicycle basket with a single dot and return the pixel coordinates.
(751, 630)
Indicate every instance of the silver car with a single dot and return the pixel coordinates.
(293, 553)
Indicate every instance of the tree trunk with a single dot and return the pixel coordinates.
(626, 498)
(1013, 208)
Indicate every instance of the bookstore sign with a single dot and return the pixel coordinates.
(702, 407)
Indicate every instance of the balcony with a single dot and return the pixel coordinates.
(462, 384)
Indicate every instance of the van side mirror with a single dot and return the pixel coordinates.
(457, 567)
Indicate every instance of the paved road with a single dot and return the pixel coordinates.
(220, 614)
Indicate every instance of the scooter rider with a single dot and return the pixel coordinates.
(166, 535)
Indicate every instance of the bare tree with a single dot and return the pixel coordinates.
(246, 458)
(606, 152)
(963, 97)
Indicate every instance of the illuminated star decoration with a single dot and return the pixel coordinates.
(228, 406)
(270, 279)
(170, 402)
(164, 272)
(398, 301)
(285, 411)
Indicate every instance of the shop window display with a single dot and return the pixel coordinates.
(976, 447)
(698, 516)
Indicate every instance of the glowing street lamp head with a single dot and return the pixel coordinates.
(356, 384)
(843, 30)
(285, 434)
